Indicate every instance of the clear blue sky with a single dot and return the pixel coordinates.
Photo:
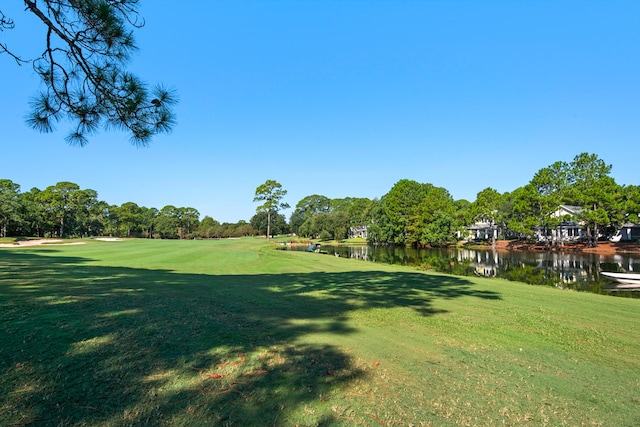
(345, 98)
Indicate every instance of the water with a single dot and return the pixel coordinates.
(579, 271)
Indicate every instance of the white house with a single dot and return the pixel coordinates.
(360, 231)
(570, 229)
(482, 230)
(628, 232)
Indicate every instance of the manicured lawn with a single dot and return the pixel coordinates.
(234, 332)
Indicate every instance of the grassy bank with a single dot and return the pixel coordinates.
(234, 332)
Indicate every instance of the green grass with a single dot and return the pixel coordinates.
(234, 332)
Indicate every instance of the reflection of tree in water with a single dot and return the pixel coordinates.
(563, 270)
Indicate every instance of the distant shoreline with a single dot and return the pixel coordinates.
(603, 248)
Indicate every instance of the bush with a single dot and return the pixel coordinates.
(324, 236)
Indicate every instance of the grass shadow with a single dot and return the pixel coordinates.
(93, 345)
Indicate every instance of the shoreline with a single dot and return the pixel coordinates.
(603, 248)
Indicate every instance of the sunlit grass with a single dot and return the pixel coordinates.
(235, 332)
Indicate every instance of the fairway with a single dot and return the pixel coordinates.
(237, 333)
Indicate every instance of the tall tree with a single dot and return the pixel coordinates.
(486, 207)
(167, 222)
(278, 223)
(306, 208)
(436, 217)
(147, 220)
(83, 67)
(271, 193)
(209, 228)
(594, 190)
(82, 203)
(189, 220)
(631, 195)
(32, 212)
(400, 207)
(129, 215)
(9, 204)
(57, 201)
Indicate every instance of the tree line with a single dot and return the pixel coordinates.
(411, 213)
(418, 214)
(66, 210)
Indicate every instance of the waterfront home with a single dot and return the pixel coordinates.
(482, 230)
(628, 232)
(359, 231)
(569, 229)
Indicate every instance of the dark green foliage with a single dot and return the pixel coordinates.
(271, 193)
(307, 208)
(278, 223)
(9, 205)
(414, 214)
(83, 67)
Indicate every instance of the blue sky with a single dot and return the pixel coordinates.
(345, 98)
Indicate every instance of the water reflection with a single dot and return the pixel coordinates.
(563, 270)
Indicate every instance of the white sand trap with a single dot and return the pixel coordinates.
(36, 242)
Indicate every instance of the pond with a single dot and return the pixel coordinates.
(579, 271)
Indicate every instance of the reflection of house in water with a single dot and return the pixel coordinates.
(359, 252)
(562, 268)
(568, 268)
(626, 265)
(484, 263)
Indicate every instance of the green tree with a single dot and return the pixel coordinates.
(83, 67)
(333, 224)
(550, 186)
(99, 218)
(631, 195)
(129, 215)
(531, 205)
(438, 232)
(593, 189)
(360, 212)
(243, 229)
(487, 208)
(209, 228)
(306, 208)
(57, 201)
(32, 213)
(399, 211)
(110, 219)
(271, 193)
(523, 218)
(9, 204)
(167, 222)
(189, 218)
(463, 215)
(82, 203)
(278, 223)
(433, 222)
(147, 220)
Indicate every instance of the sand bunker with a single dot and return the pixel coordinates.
(36, 242)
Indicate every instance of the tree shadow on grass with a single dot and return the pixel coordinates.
(92, 345)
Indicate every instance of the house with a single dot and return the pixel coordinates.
(360, 231)
(482, 230)
(569, 229)
(628, 232)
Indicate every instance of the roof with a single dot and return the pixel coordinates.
(574, 210)
(630, 225)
